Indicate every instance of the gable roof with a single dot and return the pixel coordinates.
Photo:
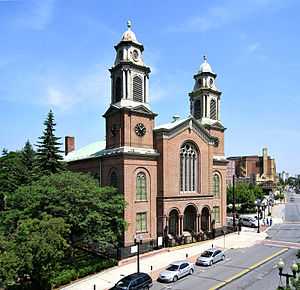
(173, 128)
(89, 151)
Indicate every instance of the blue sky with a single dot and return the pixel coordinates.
(56, 54)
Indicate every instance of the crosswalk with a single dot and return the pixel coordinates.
(281, 244)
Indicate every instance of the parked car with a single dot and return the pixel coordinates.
(176, 270)
(248, 222)
(136, 281)
(211, 256)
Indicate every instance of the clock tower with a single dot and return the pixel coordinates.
(129, 119)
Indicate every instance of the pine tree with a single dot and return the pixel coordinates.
(28, 157)
(49, 158)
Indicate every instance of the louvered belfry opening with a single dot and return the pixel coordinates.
(213, 109)
(137, 89)
(118, 96)
(197, 109)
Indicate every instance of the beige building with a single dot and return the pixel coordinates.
(256, 169)
(173, 176)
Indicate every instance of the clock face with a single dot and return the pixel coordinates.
(140, 129)
(135, 55)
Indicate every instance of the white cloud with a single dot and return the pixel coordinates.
(225, 13)
(253, 47)
(89, 88)
(36, 15)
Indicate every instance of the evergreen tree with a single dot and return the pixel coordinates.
(49, 158)
(28, 160)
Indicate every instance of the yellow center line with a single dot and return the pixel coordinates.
(252, 267)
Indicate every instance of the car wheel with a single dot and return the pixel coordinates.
(191, 271)
(210, 263)
(223, 257)
(175, 278)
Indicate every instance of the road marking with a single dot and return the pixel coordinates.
(247, 270)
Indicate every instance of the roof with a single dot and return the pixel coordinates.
(91, 150)
(205, 67)
(129, 35)
(171, 125)
(97, 149)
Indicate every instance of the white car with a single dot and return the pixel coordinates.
(176, 270)
(249, 222)
(210, 257)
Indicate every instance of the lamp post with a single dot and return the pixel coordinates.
(138, 242)
(258, 204)
(294, 268)
(233, 203)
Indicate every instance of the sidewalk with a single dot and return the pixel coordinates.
(160, 259)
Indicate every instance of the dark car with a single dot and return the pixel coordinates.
(136, 281)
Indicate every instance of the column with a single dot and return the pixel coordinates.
(147, 89)
(124, 84)
(180, 225)
(219, 111)
(198, 223)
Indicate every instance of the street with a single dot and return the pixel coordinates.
(256, 265)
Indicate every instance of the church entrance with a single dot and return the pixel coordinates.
(173, 222)
(189, 220)
(205, 219)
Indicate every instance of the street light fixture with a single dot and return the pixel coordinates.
(258, 204)
(294, 268)
(137, 242)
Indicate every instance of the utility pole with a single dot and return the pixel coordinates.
(233, 203)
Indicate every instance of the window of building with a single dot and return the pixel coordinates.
(141, 222)
(188, 167)
(216, 214)
(118, 90)
(141, 186)
(197, 109)
(216, 185)
(213, 109)
(114, 179)
(137, 89)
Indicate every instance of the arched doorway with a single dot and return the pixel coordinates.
(189, 220)
(173, 222)
(205, 219)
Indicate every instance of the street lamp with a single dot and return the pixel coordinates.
(137, 242)
(294, 267)
(258, 204)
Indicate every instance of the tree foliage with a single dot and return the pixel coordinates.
(45, 221)
(245, 195)
(49, 158)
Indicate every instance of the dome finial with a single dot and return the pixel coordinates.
(205, 58)
(129, 24)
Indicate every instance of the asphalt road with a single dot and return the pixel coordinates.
(264, 277)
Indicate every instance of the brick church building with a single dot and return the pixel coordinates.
(173, 176)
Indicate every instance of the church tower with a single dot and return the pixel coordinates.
(129, 75)
(129, 120)
(205, 97)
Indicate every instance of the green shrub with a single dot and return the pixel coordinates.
(64, 277)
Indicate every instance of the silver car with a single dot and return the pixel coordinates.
(210, 257)
(176, 270)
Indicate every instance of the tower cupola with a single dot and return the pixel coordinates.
(129, 74)
(205, 97)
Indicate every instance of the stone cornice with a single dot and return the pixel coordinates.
(128, 64)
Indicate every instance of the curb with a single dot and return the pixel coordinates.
(252, 267)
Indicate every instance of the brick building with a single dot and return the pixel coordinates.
(256, 169)
(173, 176)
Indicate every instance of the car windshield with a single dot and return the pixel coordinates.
(123, 283)
(172, 267)
(207, 254)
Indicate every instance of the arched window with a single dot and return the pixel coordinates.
(188, 167)
(114, 179)
(197, 109)
(137, 89)
(118, 90)
(141, 186)
(213, 109)
(216, 185)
